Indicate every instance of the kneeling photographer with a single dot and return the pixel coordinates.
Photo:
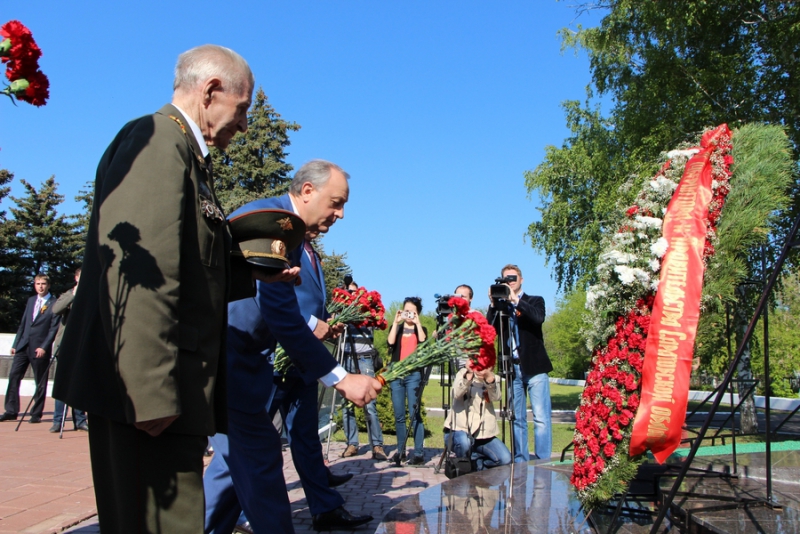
(471, 429)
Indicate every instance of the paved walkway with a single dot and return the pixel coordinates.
(46, 483)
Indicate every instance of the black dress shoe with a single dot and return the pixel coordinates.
(338, 480)
(8, 417)
(339, 519)
(82, 427)
(35, 419)
(55, 428)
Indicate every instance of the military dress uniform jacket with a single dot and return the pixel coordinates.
(146, 336)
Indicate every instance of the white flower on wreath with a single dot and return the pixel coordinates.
(659, 248)
(618, 257)
(592, 296)
(626, 274)
(641, 275)
(663, 185)
(682, 153)
(655, 265)
(650, 222)
(623, 238)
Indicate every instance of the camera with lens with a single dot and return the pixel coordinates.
(499, 291)
(442, 307)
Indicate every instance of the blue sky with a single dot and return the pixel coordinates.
(435, 108)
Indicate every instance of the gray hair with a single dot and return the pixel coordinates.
(316, 172)
(207, 61)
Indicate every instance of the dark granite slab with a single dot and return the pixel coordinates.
(519, 498)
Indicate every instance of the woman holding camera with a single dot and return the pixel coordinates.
(404, 336)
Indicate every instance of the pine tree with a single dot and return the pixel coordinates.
(39, 240)
(85, 195)
(253, 165)
(7, 279)
(334, 268)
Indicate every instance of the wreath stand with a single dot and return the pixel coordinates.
(735, 503)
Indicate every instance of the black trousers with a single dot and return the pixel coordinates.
(146, 484)
(19, 365)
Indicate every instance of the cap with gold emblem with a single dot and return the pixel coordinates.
(262, 239)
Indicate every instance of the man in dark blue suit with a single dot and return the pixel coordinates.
(247, 469)
(32, 346)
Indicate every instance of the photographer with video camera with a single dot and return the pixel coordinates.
(404, 336)
(530, 361)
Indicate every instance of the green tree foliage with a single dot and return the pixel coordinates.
(784, 340)
(334, 268)
(671, 68)
(38, 240)
(562, 337)
(253, 166)
(8, 281)
(762, 175)
(579, 190)
(86, 196)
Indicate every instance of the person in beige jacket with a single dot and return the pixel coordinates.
(472, 424)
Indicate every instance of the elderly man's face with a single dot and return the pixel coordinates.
(225, 116)
(324, 206)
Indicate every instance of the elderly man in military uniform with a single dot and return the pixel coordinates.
(144, 347)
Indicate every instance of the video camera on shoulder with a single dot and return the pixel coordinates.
(499, 291)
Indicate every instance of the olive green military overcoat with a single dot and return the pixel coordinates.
(146, 335)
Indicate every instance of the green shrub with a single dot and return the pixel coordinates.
(385, 415)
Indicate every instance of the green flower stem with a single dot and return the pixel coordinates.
(435, 350)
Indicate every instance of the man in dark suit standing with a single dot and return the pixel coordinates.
(32, 346)
(246, 471)
(531, 365)
(144, 347)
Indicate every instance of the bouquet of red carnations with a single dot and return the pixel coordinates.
(360, 308)
(465, 333)
(21, 55)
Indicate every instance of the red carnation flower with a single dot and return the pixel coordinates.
(38, 90)
(461, 305)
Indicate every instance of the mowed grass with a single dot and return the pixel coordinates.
(562, 398)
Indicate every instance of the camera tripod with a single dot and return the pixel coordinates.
(508, 347)
(349, 360)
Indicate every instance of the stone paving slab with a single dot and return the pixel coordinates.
(46, 482)
(374, 489)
